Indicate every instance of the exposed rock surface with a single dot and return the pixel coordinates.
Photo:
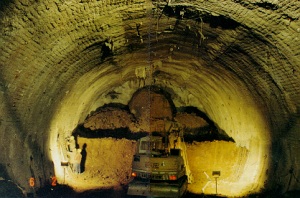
(191, 121)
(109, 118)
(147, 112)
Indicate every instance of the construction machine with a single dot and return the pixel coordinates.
(160, 166)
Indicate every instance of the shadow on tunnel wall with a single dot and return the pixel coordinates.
(84, 155)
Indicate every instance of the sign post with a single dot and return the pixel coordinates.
(216, 174)
(64, 164)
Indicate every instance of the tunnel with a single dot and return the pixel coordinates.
(233, 63)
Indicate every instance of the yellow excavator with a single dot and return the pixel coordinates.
(160, 166)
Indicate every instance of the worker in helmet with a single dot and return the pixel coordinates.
(71, 144)
(77, 161)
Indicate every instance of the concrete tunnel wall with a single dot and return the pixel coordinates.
(237, 61)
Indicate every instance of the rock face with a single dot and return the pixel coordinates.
(109, 118)
(147, 111)
(191, 121)
(236, 61)
(146, 104)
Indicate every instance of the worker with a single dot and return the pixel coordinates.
(71, 144)
(71, 156)
(77, 161)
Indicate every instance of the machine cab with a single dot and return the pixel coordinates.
(151, 145)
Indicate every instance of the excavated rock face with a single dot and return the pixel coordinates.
(149, 105)
(146, 111)
(150, 108)
(236, 61)
(109, 118)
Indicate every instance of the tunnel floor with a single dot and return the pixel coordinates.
(10, 190)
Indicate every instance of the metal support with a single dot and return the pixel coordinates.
(216, 174)
(64, 164)
(216, 185)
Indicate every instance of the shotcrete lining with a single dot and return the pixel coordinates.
(59, 53)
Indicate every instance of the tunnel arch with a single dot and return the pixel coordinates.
(51, 62)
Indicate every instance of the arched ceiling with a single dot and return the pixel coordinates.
(235, 60)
